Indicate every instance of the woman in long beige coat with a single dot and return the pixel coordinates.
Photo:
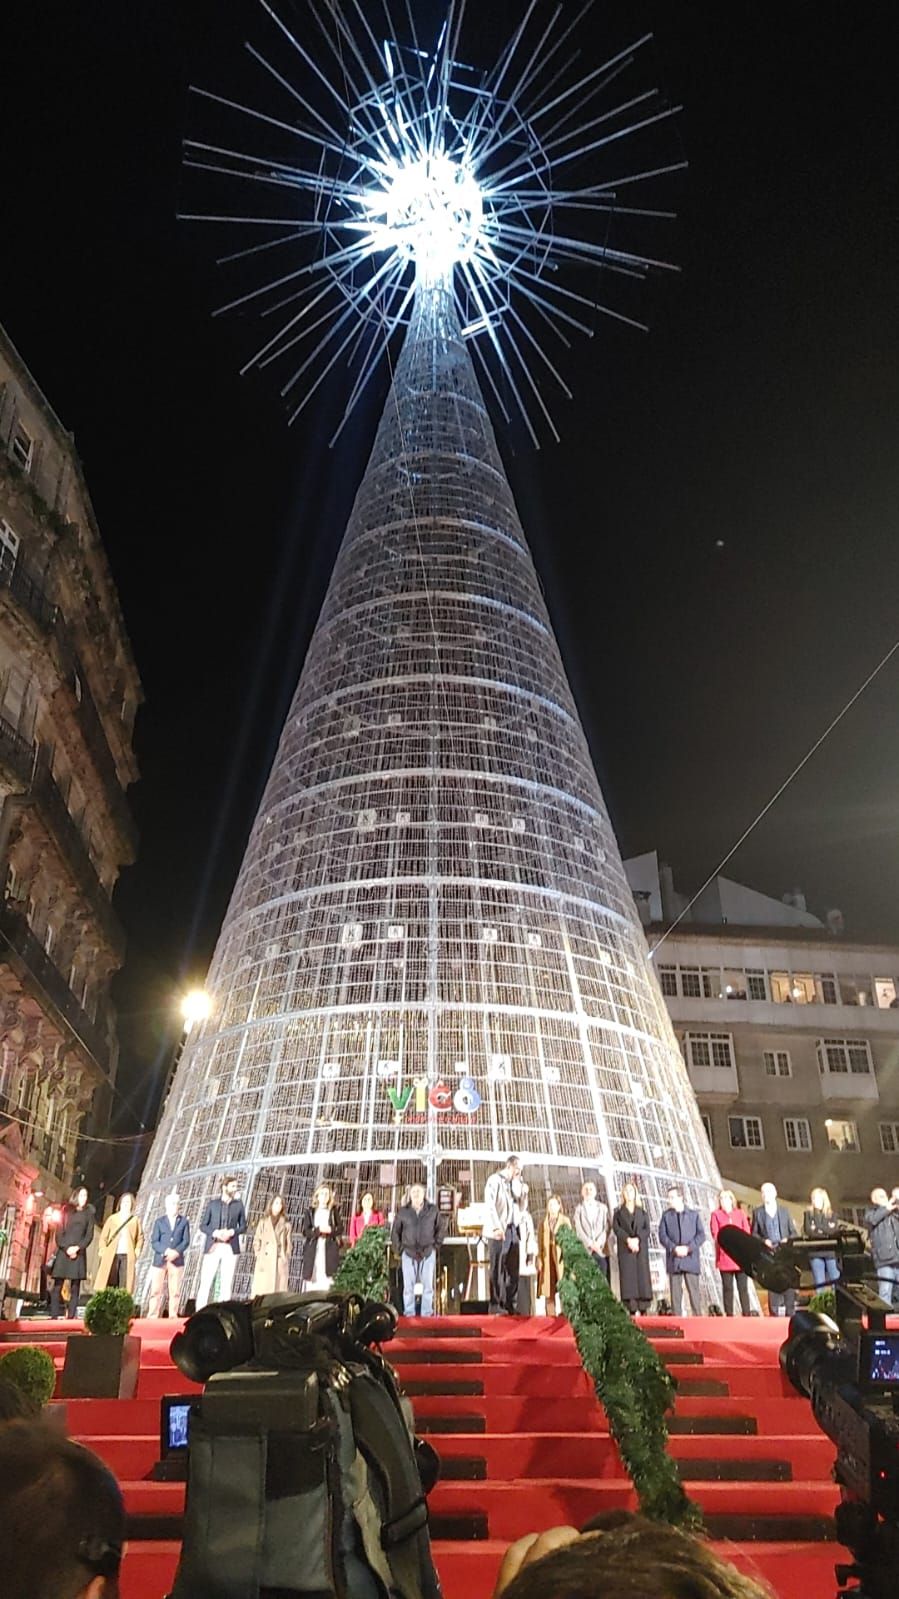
(272, 1242)
(121, 1241)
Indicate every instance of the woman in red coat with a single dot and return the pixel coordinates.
(366, 1217)
(729, 1214)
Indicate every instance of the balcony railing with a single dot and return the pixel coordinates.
(28, 592)
(40, 968)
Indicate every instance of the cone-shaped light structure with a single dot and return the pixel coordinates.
(431, 957)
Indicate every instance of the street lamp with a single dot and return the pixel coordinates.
(195, 1007)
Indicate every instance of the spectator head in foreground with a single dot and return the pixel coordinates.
(620, 1556)
(14, 1404)
(62, 1515)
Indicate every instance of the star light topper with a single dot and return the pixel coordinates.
(408, 169)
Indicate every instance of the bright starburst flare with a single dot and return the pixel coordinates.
(406, 167)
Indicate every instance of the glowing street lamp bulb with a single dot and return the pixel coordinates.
(195, 1006)
(433, 212)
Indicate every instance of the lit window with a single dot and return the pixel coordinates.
(885, 993)
(889, 1138)
(793, 988)
(777, 1063)
(842, 1136)
(745, 1132)
(844, 1055)
(710, 1049)
(797, 1133)
(21, 447)
(828, 992)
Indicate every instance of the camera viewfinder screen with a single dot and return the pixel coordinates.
(177, 1425)
(881, 1360)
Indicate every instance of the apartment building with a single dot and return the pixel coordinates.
(790, 1033)
(69, 691)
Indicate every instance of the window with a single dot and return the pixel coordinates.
(844, 1055)
(697, 983)
(9, 548)
(793, 988)
(707, 1124)
(843, 1136)
(745, 1132)
(828, 992)
(710, 1049)
(889, 1138)
(797, 1133)
(885, 993)
(21, 446)
(777, 1063)
(668, 981)
(756, 986)
(733, 984)
(856, 990)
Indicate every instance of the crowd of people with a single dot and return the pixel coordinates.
(524, 1258)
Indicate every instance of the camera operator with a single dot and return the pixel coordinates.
(882, 1222)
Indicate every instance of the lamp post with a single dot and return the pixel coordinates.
(194, 1008)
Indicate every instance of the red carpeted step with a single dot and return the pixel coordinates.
(595, 1455)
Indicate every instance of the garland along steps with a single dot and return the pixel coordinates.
(525, 1444)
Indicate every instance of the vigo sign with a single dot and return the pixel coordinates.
(418, 1095)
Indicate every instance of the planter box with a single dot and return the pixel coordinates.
(104, 1367)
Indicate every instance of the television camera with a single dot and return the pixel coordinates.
(848, 1367)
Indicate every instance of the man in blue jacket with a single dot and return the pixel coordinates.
(224, 1224)
(681, 1235)
(169, 1238)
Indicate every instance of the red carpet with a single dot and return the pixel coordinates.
(524, 1445)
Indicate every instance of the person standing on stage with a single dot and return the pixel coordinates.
(501, 1235)
(630, 1224)
(591, 1223)
(774, 1224)
(728, 1214)
(272, 1243)
(682, 1235)
(819, 1221)
(169, 1239)
(121, 1241)
(549, 1261)
(73, 1238)
(526, 1291)
(417, 1234)
(223, 1225)
(882, 1222)
(322, 1227)
(367, 1216)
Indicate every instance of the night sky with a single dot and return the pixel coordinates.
(716, 534)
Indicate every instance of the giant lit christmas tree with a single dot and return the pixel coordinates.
(431, 957)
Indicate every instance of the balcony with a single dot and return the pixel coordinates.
(715, 1085)
(28, 593)
(39, 975)
(849, 1088)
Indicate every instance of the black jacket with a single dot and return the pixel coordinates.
(217, 1216)
(820, 1224)
(418, 1232)
(75, 1231)
(763, 1225)
(311, 1236)
(882, 1223)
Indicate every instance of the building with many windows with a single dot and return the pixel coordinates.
(790, 1033)
(69, 691)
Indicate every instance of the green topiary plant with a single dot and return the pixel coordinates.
(33, 1373)
(631, 1382)
(824, 1302)
(111, 1311)
(363, 1269)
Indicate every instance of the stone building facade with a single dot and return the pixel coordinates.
(69, 692)
(790, 1034)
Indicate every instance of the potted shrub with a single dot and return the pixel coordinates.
(106, 1364)
(31, 1371)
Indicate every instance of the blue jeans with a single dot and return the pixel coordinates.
(825, 1269)
(418, 1271)
(888, 1284)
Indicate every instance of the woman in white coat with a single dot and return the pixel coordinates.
(272, 1242)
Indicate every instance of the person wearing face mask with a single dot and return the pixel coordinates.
(169, 1239)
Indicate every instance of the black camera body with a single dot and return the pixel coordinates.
(304, 1476)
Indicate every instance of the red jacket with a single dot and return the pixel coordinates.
(727, 1218)
(359, 1224)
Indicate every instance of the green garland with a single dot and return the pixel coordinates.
(631, 1382)
(363, 1269)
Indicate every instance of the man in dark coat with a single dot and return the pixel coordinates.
(773, 1223)
(73, 1239)
(224, 1224)
(882, 1222)
(418, 1230)
(681, 1235)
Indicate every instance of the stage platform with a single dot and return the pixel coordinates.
(524, 1444)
